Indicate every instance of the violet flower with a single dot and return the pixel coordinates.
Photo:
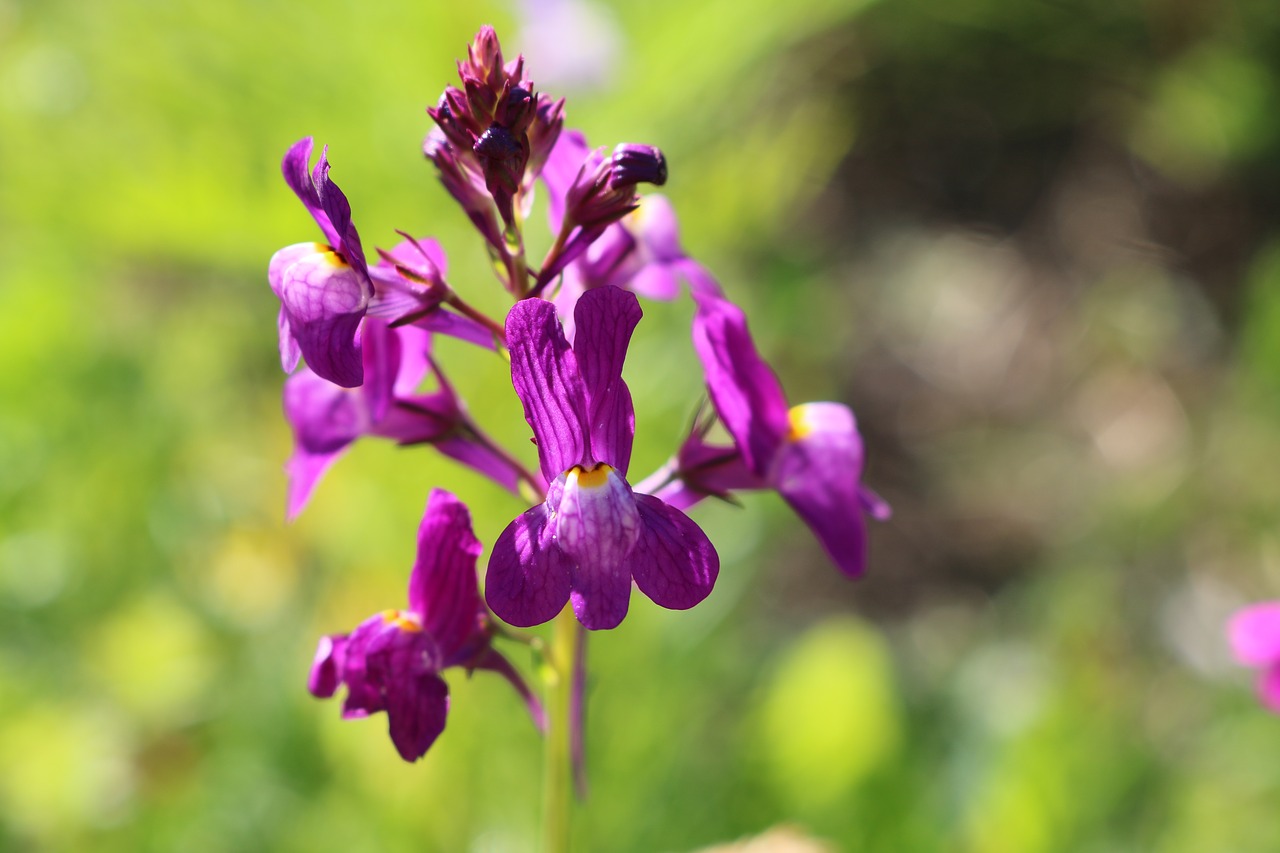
(324, 290)
(1255, 638)
(810, 454)
(641, 252)
(593, 534)
(590, 190)
(327, 418)
(392, 661)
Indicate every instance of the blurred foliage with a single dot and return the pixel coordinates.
(1033, 243)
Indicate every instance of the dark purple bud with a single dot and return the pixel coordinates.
(636, 164)
(497, 143)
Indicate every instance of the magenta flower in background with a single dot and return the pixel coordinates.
(810, 454)
(1255, 639)
(593, 534)
(324, 290)
(327, 418)
(392, 661)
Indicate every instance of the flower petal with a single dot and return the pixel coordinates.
(605, 318)
(560, 171)
(1255, 634)
(338, 210)
(326, 670)
(673, 562)
(324, 299)
(527, 582)
(304, 471)
(380, 356)
(416, 712)
(816, 472)
(745, 391)
(545, 375)
(596, 526)
(297, 174)
(442, 588)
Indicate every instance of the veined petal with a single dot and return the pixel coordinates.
(325, 300)
(527, 582)
(744, 390)
(416, 712)
(297, 174)
(545, 375)
(605, 318)
(816, 471)
(338, 210)
(443, 589)
(597, 526)
(281, 261)
(673, 562)
(1255, 634)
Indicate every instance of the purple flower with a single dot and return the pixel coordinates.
(593, 534)
(1255, 639)
(392, 661)
(327, 418)
(810, 454)
(588, 191)
(641, 252)
(324, 290)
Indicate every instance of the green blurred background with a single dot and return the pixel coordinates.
(1034, 244)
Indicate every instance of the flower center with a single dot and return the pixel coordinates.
(403, 620)
(800, 423)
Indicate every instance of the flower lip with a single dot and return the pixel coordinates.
(590, 478)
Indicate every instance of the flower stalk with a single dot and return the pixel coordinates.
(558, 765)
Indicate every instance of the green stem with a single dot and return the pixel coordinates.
(558, 793)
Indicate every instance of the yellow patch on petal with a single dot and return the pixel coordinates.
(331, 256)
(592, 479)
(403, 621)
(800, 423)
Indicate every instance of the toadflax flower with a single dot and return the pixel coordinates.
(324, 290)
(592, 535)
(810, 454)
(1255, 639)
(327, 418)
(392, 661)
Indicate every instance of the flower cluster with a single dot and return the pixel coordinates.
(365, 332)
